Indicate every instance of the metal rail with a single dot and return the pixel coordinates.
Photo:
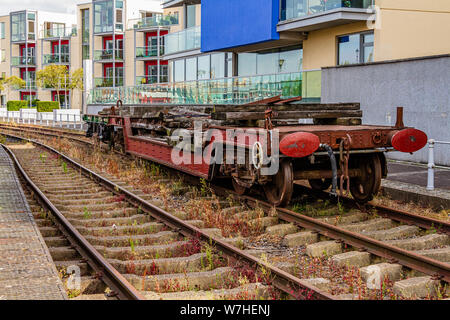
(281, 279)
(105, 271)
(393, 254)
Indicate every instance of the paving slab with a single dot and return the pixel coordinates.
(27, 271)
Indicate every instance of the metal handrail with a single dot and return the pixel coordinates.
(431, 164)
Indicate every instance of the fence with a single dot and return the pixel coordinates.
(58, 118)
(431, 165)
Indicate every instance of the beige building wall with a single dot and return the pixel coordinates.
(412, 28)
(404, 29)
(320, 49)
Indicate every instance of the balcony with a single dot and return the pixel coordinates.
(310, 15)
(185, 40)
(30, 85)
(59, 33)
(236, 90)
(56, 58)
(177, 3)
(23, 61)
(152, 22)
(147, 80)
(149, 52)
(107, 55)
(107, 82)
(22, 37)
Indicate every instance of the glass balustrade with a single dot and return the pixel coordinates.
(29, 85)
(187, 39)
(107, 54)
(291, 9)
(237, 90)
(155, 21)
(148, 52)
(55, 58)
(107, 82)
(21, 61)
(59, 32)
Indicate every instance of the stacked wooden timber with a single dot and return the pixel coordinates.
(284, 112)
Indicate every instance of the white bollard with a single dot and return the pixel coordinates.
(431, 165)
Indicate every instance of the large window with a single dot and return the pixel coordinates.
(355, 48)
(208, 66)
(203, 69)
(218, 65)
(103, 16)
(191, 69)
(18, 26)
(85, 33)
(178, 70)
(190, 16)
(270, 61)
(2, 30)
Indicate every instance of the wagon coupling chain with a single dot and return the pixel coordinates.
(343, 161)
(268, 114)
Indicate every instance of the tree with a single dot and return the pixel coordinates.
(12, 81)
(58, 77)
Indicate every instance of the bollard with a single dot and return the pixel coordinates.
(430, 182)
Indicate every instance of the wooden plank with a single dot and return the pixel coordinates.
(288, 107)
(290, 115)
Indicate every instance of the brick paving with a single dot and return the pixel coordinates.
(27, 271)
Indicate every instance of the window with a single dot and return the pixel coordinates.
(190, 16)
(355, 48)
(3, 100)
(163, 73)
(203, 71)
(2, 30)
(218, 65)
(179, 70)
(103, 16)
(3, 55)
(271, 61)
(191, 69)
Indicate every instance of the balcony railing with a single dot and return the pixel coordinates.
(300, 8)
(59, 33)
(56, 58)
(29, 85)
(107, 54)
(149, 52)
(107, 82)
(237, 90)
(155, 21)
(20, 37)
(184, 40)
(147, 80)
(22, 61)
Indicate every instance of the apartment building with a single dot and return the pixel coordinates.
(122, 42)
(31, 40)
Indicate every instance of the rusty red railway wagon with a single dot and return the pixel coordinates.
(262, 145)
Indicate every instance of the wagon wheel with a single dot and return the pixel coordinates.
(364, 187)
(279, 190)
(240, 190)
(320, 184)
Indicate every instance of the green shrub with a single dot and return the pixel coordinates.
(16, 105)
(33, 103)
(47, 106)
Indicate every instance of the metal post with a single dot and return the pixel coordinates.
(431, 165)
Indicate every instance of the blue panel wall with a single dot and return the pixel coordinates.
(233, 23)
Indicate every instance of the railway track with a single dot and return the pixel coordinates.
(407, 244)
(102, 214)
